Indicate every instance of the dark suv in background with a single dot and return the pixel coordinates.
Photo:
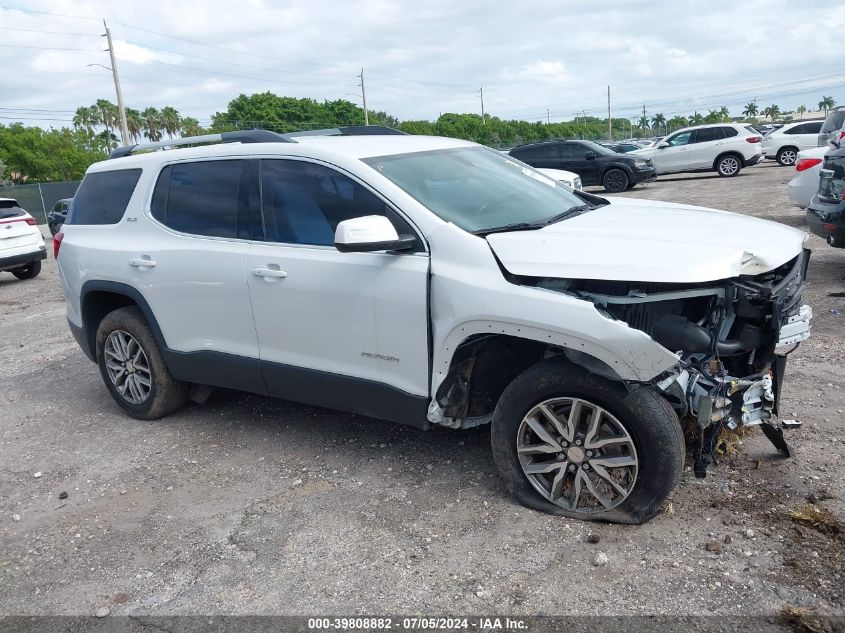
(596, 164)
(826, 213)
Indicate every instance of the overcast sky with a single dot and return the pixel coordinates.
(424, 57)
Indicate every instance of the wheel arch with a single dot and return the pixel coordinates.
(99, 297)
(730, 152)
(483, 364)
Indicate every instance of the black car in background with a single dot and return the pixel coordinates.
(597, 165)
(57, 215)
(826, 213)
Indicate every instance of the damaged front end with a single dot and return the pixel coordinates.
(731, 337)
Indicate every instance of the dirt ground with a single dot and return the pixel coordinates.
(248, 505)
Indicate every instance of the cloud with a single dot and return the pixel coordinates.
(134, 54)
(548, 71)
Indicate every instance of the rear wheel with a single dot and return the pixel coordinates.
(728, 165)
(571, 443)
(787, 156)
(32, 269)
(615, 180)
(133, 368)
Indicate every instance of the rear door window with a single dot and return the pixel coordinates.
(707, 134)
(209, 198)
(813, 127)
(103, 196)
(535, 152)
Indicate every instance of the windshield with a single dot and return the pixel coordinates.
(476, 188)
(598, 149)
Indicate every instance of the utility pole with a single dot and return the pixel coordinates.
(364, 98)
(609, 124)
(548, 117)
(481, 92)
(124, 129)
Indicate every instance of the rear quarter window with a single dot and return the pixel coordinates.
(834, 121)
(103, 196)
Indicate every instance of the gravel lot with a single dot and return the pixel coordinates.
(247, 505)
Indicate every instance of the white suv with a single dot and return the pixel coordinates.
(784, 143)
(21, 244)
(722, 147)
(433, 281)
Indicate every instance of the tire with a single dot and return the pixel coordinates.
(161, 394)
(787, 156)
(728, 165)
(32, 269)
(654, 438)
(615, 180)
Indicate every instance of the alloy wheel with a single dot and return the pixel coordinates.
(128, 367)
(729, 166)
(577, 455)
(788, 156)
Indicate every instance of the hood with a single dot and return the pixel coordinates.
(644, 240)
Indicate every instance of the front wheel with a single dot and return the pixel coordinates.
(32, 269)
(615, 180)
(728, 166)
(133, 368)
(571, 443)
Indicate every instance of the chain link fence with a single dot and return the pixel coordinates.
(39, 198)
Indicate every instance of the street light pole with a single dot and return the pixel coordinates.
(124, 129)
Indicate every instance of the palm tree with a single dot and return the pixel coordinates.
(826, 104)
(657, 120)
(724, 114)
(643, 124)
(750, 110)
(151, 122)
(801, 110)
(677, 122)
(170, 120)
(108, 113)
(696, 119)
(714, 116)
(134, 124)
(85, 118)
(191, 127)
(773, 111)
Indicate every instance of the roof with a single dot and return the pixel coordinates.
(357, 147)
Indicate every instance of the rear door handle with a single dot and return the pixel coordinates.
(142, 263)
(269, 272)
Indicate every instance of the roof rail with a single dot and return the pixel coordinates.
(244, 136)
(349, 130)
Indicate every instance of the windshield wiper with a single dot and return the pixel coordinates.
(516, 226)
(576, 210)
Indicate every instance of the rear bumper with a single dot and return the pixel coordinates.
(832, 228)
(754, 160)
(10, 262)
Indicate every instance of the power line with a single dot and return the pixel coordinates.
(10, 28)
(53, 48)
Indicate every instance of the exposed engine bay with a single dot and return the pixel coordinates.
(731, 338)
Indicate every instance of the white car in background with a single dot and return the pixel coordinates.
(21, 245)
(808, 165)
(784, 143)
(567, 178)
(722, 147)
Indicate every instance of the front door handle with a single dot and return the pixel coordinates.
(142, 263)
(269, 273)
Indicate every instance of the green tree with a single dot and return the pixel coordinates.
(677, 122)
(643, 124)
(826, 104)
(801, 110)
(170, 121)
(191, 127)
(107, 114)
(696, 119)
(86, 117)
(772, 111)
(750, 110)
(134, 124)
(658, 121)
(151, 122)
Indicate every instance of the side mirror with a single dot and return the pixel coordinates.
(662, 145)
(370, 233)
(590, 155)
